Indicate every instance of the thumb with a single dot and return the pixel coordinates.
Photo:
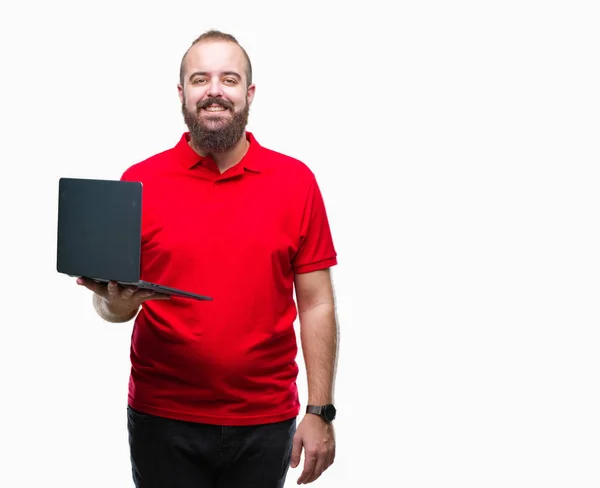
(296, 451)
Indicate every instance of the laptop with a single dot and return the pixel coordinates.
(100, 233)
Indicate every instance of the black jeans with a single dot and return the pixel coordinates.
(169, 453)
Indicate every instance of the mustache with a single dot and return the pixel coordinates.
(214, 101)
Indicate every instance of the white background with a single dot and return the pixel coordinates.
(456, 144)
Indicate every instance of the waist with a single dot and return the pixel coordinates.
(244, 376)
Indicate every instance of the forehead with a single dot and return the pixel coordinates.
(215, 57)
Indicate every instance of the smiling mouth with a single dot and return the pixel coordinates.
(214, 108)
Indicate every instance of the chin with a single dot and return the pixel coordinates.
(214, 124)
(215, 118)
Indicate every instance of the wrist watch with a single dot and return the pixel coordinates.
(326, 412)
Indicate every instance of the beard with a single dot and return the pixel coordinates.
(217, 135)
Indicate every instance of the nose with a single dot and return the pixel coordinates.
(214, 88)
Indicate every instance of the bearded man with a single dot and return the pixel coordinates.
(213, 401)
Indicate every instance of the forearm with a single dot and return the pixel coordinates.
(110, 315)
(319, 337)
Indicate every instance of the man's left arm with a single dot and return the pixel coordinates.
(319, 337)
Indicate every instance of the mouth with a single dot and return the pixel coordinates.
(214, 108)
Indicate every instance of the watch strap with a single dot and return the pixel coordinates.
(315, 409)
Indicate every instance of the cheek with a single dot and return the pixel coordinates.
(237, 98)
(191, 105)
(190, 102)
(191, 99)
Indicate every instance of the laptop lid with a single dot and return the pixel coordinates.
(99, 229)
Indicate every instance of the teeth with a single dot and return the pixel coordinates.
(213, 108)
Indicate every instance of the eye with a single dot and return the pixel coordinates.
(198, 81)
(230, 81)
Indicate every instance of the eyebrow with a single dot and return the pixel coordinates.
(225, 73)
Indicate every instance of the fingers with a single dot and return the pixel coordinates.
(128, 292)
(296, 451)
(141, 295)
(331, 457)
(310, 462)
(113, 291)
(315, 465)
(97, 288)
(161, 296)
(145, 295)
(320, 466)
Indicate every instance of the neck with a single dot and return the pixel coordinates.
(227, 159)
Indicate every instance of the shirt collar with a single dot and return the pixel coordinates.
(190, 158)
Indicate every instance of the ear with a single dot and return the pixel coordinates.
(180, 91)
(251, 92)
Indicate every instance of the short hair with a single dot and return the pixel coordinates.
(216, 35)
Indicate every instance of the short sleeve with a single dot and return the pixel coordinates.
(316, 250)
(127, 174)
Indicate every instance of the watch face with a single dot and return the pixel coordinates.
(329, 412)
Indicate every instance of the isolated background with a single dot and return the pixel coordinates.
(456, 145)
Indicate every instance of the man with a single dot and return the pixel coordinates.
(212, 394)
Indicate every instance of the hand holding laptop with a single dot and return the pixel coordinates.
(121, 299)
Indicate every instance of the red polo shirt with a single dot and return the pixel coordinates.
(238, 237)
